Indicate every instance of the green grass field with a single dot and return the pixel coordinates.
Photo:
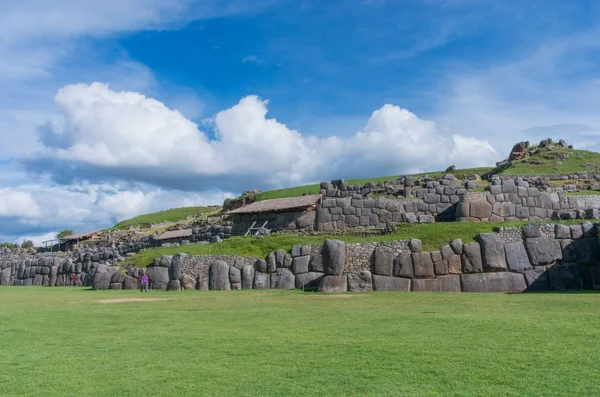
(171, 215)
(575, 162)
(63, 342)
(433, 236)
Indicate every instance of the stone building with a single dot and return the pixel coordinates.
(283, 214)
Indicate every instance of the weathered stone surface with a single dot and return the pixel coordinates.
(247, 277)
(595, 277)
(457, 246)
(188, 282)
(115, 286)
(262, 280)
(494, 257)
(54, 276)
(584, 250)
(334, 257)
(564, 276)
(103, 276)
(537, 279)
(516, 257)
(422, 264)
(360, 282)
(280, 258)
(309, 281)
(455, 265)
(5, 276)
(493, 282)
(158, 277)
(384, 283)
(481, 209)
(383, 263)
(130, 283)
(300, 264)
(471, 258)
(446, 252)
(440, 284)
(283, 279)
(531, 230)
(415, 245)
(165, 261)
(403, 266)
(175, 269)
(576, 231)
(174, 285)
(271, 263)
(333, 284)
(260, 265)
(235, 278)
(543, 250)
(440, 268)
(218, 276)
(316, 261)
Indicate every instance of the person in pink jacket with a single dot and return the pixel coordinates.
(144, 283)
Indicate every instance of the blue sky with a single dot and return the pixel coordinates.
(110, 109)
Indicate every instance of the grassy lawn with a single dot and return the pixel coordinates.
(432, 235)
(316, 188)
(172, 215)
(63, 342)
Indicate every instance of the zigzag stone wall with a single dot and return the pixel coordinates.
(533, 258)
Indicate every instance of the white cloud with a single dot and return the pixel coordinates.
(113, 132)
(15, 203)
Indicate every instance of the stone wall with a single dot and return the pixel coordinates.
(513, 200)
(302, 221)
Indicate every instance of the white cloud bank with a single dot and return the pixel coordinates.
(129, 136)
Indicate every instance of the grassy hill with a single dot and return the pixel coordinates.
(542, 163)
(171, 215)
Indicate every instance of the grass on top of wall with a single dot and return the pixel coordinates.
(584, 193)
(433, 236)
(78, 342)
(171, 215)
(316, 188)
(574, 164)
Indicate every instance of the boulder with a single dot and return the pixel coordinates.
(584, 250)
(188, 282)
(102, 277)
(492, 247)
(440, 284)
(516, 257)
(383, 263)
(165, 261)
(300, 264)
(457, 246)
(480, 209)
(360, 282)
(283, 279)
(235, 278)
(174, 285)
(333, 284)
(218, 276)
(316, 261)
(384, 283)
(334, 257)
(403, 266)
(247, 277)
(471, 258)
(260, 265)
(493, 282)
(543, 250)
(565, 276)
(454, 264)
(158, 277)
(175, 268)
(5, 276)
(54, 276)
(115, 286)
(537, 279)
(422, 264)
(309, 281)
(280, 258)
(271, 263)
(562, 231)
(415, 245)
(130, 283)
(262, 280)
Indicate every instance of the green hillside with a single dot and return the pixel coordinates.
(171, 215)
(565, 161)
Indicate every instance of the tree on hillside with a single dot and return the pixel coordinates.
(64, 233)
(8, 245)
(27, 244)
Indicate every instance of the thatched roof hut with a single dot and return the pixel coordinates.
(288, 204)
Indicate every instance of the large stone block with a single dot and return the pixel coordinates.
(455, 264)
(360, 282)
(271, 263)
(309, 281)
(262, 280)
(260, 265)
(383, 261)
(493, 282)
(422, 264)
(471, 258)
(516, 257)
(440, 284)
(333, 284)
(384, 283)
(283, 279)
(300, 264)
(103, 276)
(175, 268)
(174, 285)
(543, 250)
(218, 276)
(235, 278)
(585, 251)
(247, 277)
(130, 283)
(564, 276)
(493, 255)
(537, 279)
(334, 257)
(188, 282)
(403, 266)
(480, 209)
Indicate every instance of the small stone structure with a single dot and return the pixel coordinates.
(536, 257)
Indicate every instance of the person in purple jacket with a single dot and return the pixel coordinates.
(144, 283)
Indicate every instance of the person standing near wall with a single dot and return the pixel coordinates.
(144, 283)
(74, 280)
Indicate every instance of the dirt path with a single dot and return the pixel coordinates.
(123, 300)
